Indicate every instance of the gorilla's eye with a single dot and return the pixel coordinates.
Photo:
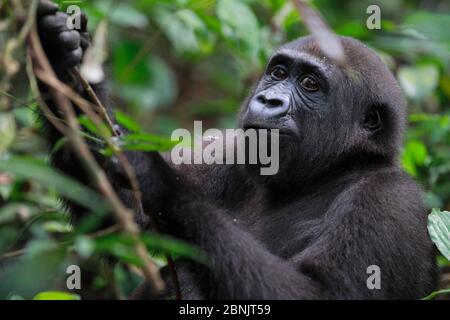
(309, 83)
(279, 73)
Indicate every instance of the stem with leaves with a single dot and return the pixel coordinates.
(43, 71)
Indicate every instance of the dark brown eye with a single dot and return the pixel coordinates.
(278, 73)
(309, 83)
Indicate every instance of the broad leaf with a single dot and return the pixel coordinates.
(439, 230)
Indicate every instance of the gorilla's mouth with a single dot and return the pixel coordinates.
(281, 132)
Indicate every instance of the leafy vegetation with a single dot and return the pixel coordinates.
(172, 62)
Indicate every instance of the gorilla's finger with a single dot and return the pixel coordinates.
(74, 57)
(70, 40)
(85, 40)
(54, 23)
(84, 22)
(46, 7)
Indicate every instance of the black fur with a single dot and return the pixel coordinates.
(339, 203)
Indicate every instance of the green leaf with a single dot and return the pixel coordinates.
(430, 24)
(185, 30)
(439, 230)
(145, 83)
(127, 122)
(13, 211)
(240, 26)
(436, 293)
(56, 295)
(35, 170)
(7, 130)
(419, 82)
(57, 227)
(84, 246)
(39, 269)
(122, 246)
(442, 261)
(146, 143)
(175, 247)
(124, 15)
(103, 130)
(414, 155)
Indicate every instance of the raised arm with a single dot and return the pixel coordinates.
(65, 49)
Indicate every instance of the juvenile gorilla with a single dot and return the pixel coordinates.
(339, 203)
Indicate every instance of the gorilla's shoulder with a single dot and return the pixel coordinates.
(388, 191)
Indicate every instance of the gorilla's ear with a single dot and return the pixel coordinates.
(372, 120)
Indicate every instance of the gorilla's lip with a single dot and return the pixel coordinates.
(283, 125)
(259, 127)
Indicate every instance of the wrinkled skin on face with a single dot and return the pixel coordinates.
(326, 114)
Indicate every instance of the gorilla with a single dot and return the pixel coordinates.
(339, 206)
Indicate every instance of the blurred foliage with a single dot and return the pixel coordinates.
(171, 62)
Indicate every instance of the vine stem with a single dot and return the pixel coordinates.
(42, 69)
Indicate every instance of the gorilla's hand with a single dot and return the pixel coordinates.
(63, 46)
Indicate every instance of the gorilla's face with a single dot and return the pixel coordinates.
(324, 112)
(292, 89)
(294, 95)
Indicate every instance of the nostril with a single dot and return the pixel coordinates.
(274, 103)
(261, 99)
(269, 106)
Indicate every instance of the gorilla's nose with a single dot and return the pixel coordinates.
(268, 105)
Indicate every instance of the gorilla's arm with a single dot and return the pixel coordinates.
(65, 49)
(362, 225)
(378, 221)
(239, 265)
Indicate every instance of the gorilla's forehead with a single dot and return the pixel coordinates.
(304, 44)
(358, 55)
(319, 62)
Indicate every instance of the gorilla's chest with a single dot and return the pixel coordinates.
(287, 228)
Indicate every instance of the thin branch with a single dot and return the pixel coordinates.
(13, 44)
(129, 171)
(124, 216)
(86, 107)
(95, 99)
(326, 39)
